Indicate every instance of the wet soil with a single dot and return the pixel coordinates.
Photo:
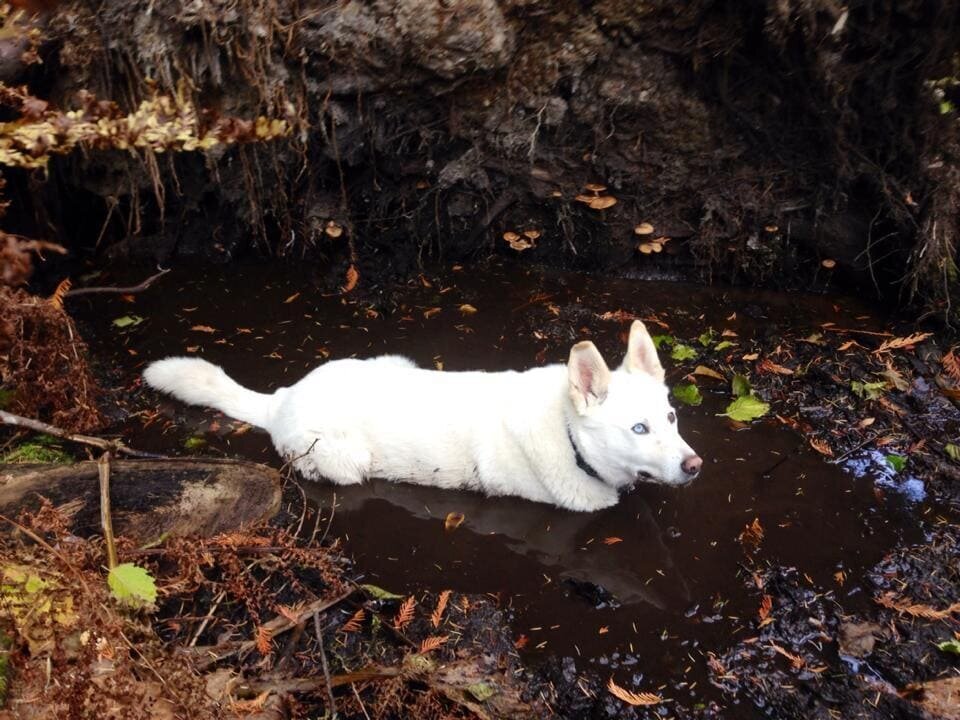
(650, 592)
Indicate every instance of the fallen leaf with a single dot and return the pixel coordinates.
(767, 365)
(453, 521)
(888, 600)
(264, 640)
(687, 393)
(821, 447)
(467, 309)
(795, 660)
(291, 298)
(751, 536)
(707, 372)
(766, 605)
(432, 643)
(746, 408)
(405, 614)
(355, 622)
(632, 698)
(430, 312)
(751, 356)
(437, 615)
(612, 540)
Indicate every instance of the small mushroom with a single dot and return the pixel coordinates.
(644, 229)
(602, 202)
(510, 236)
(585, 198)
(595, 188)
(828, 263)
(645, 248)
(333, 230)
(532, 234)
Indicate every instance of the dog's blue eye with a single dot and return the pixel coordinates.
(641, 429)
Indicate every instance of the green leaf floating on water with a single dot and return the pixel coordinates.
(950, 646)
(683, 352)
(481, 691)
(740, 386)
(687, 393)
(746, 408)
(659, 340)
(952, 451)
(127, 321)
(132, 584)
(378, 593)
(897, 462)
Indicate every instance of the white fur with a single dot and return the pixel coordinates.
(504, 433)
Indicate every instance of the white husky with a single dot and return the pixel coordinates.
(571, 436)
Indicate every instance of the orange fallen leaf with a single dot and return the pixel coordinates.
(437, 616)
(453, 521)
(821, 447)
(766, 604)
(291, 298)
(467, 309)
(612, 540)
(203, 328)
(751, 356)
(405, 614)
(767, 365)
(432, 643)
(264, 640)
(430, 312)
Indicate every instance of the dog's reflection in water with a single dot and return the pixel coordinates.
(558, 541)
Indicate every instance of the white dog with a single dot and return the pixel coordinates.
(571, 436)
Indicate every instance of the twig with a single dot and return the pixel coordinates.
(356, 694)
(208, 618)
(106, 520)
(49, 548)
(332, 709)
(111, 445)
(117, 290)
(277, 625)
(859, 332)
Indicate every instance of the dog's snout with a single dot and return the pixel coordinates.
(691, 465)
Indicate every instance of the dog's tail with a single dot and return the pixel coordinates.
(198, 382)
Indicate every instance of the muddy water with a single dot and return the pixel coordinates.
(642, 590)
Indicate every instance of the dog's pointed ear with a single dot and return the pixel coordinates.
(642, 353)
(589, 376)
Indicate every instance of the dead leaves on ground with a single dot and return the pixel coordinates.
(353, 277)
(902, 343)
(632, 698)
(432, 643)
(752, 536)
(889, 600)
(404, 614)
(355, 622)
(437, 615)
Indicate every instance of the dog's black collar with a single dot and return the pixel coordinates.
(581, 463)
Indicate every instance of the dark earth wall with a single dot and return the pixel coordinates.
(761, 137)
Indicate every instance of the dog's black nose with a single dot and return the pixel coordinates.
(691, 465)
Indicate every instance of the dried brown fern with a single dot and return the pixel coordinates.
(632, 698)
(906, 607)
(355, 622)
(405, 614)
(437, 616)
(432, 643)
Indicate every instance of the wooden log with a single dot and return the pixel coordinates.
(151, 499)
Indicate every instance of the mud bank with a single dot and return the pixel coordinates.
(759, 139)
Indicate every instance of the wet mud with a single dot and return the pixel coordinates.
(661, 592)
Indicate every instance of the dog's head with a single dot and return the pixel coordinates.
(622, 421)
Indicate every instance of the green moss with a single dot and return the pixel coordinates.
(41, 449)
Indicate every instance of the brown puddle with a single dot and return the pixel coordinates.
(648, 606)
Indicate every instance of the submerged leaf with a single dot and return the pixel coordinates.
(683, 352)
(746, 408)
(127, 321)
(950, 646)
(378, 593)
(897, 462)
(132, 584)
(740, 386)
(687, 393)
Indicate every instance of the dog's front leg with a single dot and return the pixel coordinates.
(585, 494)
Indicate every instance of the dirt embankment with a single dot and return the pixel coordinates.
(761, 139)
